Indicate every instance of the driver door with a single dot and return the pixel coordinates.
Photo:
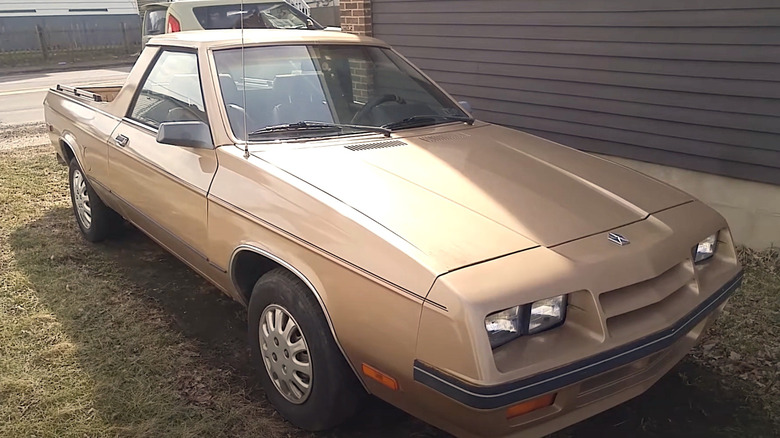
(164, 187)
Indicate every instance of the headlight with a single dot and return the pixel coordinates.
(705, 249)
(546, 314)
(528, 319)
(504, 326)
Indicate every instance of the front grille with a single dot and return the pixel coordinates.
(652, 304)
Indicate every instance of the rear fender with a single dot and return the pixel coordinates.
(69, 147)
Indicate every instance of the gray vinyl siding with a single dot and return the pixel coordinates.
(686, 83)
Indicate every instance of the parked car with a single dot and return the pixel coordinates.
(183, 15)
(488, 281)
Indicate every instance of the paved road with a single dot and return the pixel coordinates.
(21, 96)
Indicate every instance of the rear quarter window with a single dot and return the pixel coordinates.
(154, 22)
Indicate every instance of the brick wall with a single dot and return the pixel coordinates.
(362, 80)
(356, 17)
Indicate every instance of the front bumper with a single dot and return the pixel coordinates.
(583, 388)
(489, 397)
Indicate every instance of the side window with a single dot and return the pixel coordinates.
(171, 92)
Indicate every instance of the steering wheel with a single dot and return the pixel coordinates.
(375, 102)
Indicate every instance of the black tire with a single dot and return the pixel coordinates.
(335, 393)
(104, 220)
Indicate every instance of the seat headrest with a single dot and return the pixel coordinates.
(230, 92)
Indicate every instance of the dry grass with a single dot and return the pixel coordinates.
(745, 342)
(119, 339)
(23, 135)
(81, 352)
(11, 62)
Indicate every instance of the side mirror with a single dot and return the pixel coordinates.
(193, 134)
(466, 106)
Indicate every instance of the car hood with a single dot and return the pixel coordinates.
(465, 195)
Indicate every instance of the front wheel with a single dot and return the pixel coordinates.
(302, 370)
(95, 219)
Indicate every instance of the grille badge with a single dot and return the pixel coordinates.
(617, 239)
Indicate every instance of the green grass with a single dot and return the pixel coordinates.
(120, 339)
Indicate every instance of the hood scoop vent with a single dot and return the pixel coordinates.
(376, 145)
(451, 136)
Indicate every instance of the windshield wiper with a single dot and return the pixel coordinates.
(425, 120)
(318, 126)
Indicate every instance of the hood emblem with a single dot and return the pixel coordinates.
(617, 239)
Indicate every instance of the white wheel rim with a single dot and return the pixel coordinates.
(81, 199)
(285, 354)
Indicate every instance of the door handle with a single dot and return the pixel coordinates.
(121, 140)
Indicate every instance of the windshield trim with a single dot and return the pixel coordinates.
(319, 136)
(403, 133)
(308, 125)
(436, 119)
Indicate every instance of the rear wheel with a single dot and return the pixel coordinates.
(95, 219)
(302, 370)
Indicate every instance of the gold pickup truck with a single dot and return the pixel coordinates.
(487, 281)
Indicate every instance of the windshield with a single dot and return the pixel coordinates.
(254, 15)
(341, 84)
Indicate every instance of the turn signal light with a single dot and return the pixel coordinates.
(530, 405)
(380, 377)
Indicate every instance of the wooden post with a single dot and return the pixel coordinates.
(124, 38)
(74, 36)
(42, 41)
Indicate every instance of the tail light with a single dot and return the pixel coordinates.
(173, 25)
